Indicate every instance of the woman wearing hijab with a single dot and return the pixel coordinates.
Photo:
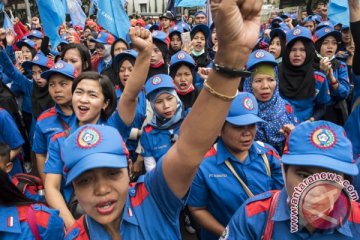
(159, 57)
(326, 44)
(278, 41)
(303, 87)
(182, 71)
(199, 35)
(175, 39)
(162, 132)
(272, 107)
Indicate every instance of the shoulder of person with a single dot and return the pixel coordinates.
(47, 113)
(259, 203)
(264, 148)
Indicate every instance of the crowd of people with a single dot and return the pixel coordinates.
(182, 124)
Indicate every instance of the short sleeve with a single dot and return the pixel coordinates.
(39, 141)
(116, 122)
(9, 131)
(53, 163)
(199, 193)
(166, 200)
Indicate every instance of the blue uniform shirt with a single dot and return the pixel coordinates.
(216, 188)
(304, 107)
(250, 220)
(356, 80)
(10, 135)
(342, 76)
(151, 211)
(54, 163)
(156, 142)
(47, 125)
(140, 116)
(14, 223)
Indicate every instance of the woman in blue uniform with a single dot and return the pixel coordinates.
(101, 184)
(273, 109)
(303, 87)
(182, 67)
(123, 64)
(93, 101)
(326, 44)
(309, 206)
(163, 130)
(235, 169)
(58, 118)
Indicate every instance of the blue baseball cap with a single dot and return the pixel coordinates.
(181, 57)
(244, 110)
(160, 36)
(281, 30)
(62, 68)
(326, 31)
(260, 56)
(93, 146)
(309, 18)
(321, 144)
(200, 27)
(35, 34)
(200, 13)
(324, 24)
(317, 18)
(41, 60)
(176, 29)
(285, 16)
(275, 23)
(185, 26)
(127, 53)
(104, 38)
(26, 42)
(154, 27)
(158, 82)
(345, 27)
(297, 33)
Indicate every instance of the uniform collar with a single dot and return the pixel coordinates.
(129, 214)
(282, 213)
(9, 220)
(223, 153)
(60, 112)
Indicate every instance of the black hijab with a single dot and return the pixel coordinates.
(298, 82)
(41, 100)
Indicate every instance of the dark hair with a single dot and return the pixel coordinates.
(163, 49)
(4, 153)
(282, 43)
(32, 50)
(117, 67)
(84, 54)
(174, 69)
(113, 46)
(10, 194)
(107, 88)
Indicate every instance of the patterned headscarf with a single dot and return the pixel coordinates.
(276, 112)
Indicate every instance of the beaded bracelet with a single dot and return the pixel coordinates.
(217, 94)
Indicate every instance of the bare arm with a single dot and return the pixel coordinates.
(142, 42)
(56, 200)
(40, 163)
(354, 10)
(237, 28)
(14, 153)
(207, 220)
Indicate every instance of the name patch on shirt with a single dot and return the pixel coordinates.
(218, 175)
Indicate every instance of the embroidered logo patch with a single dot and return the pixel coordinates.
(327, 30)
(156, 80)
(181, 55)
(36, 58)
(248, 103)
(88, 138)
(297, 32)
(59, 65)
(155, 33)
(99, 36)
(323, 138)
(259, 54)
